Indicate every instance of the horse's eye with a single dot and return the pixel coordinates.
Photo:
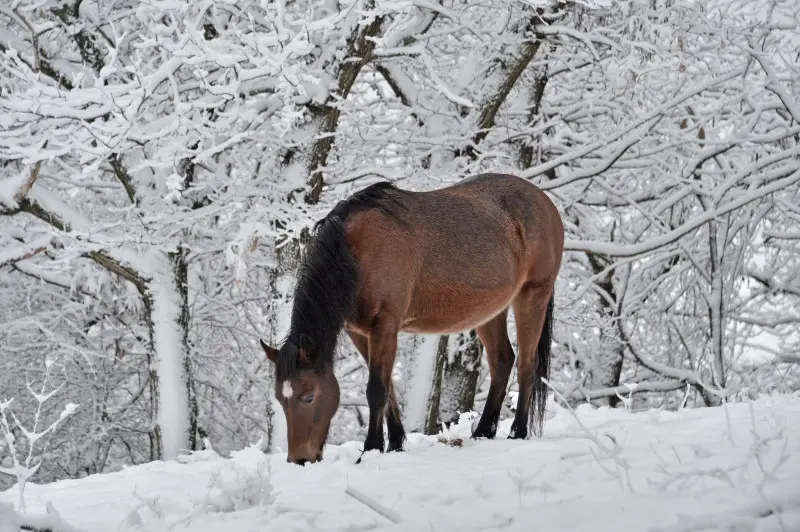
(307, 398)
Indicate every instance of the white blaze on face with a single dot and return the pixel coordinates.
(287, 389)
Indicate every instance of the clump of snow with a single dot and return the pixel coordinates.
(733, 467)
(9, 187)
(203, 455)
(458, 433)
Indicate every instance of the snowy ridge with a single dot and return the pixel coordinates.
(727, 468)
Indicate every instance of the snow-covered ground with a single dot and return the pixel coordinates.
(733, 468)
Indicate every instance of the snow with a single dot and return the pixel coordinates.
(404, 82)
(733, 467)
(10, 187)
(65, 213)
(8, 518)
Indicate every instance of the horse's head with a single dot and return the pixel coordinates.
(309, 399)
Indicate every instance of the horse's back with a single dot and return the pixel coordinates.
(511, 195)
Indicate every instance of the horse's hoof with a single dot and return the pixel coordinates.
(517, 434)
(483, 434)
(369, 446)
(396, 445)
(366, 450)
(379, 449)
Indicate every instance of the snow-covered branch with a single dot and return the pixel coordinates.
(622, 250)
(19, 253)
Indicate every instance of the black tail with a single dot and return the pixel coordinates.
(542, 370)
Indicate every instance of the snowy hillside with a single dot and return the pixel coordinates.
(735, 467)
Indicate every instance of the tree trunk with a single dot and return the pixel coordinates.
(180, 270)
(432, 421)
(460, 377)
(171, 393)
(455, 379)
(608, 360)
(714, 300)
(324, 122)
(716, 310)
(456, 375)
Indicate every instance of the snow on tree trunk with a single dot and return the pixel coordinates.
(180, 270)
(171, 390)
(418, 378)
(716, 310)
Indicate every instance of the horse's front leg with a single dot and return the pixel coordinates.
(382, 350)
(394, 424)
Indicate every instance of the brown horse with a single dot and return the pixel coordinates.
(388, 260)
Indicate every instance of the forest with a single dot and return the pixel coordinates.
(162, 164)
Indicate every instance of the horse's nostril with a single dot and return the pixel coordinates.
(301, 462)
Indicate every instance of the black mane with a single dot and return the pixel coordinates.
(327, 282)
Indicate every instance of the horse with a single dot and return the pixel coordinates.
(388, 260)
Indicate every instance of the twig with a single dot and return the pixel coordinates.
(613, 454)
(374, 505)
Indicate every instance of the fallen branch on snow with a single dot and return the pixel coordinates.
(374, 505)
(628, 388)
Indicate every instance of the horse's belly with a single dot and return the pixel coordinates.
(446, 312)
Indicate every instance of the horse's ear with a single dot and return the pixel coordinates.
(303, 359)
(272, 353)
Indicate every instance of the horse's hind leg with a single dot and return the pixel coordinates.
(397, 435)
(394, 424)
(531, 310)
(500, 355)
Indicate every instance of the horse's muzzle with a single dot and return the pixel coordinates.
(304, 461)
